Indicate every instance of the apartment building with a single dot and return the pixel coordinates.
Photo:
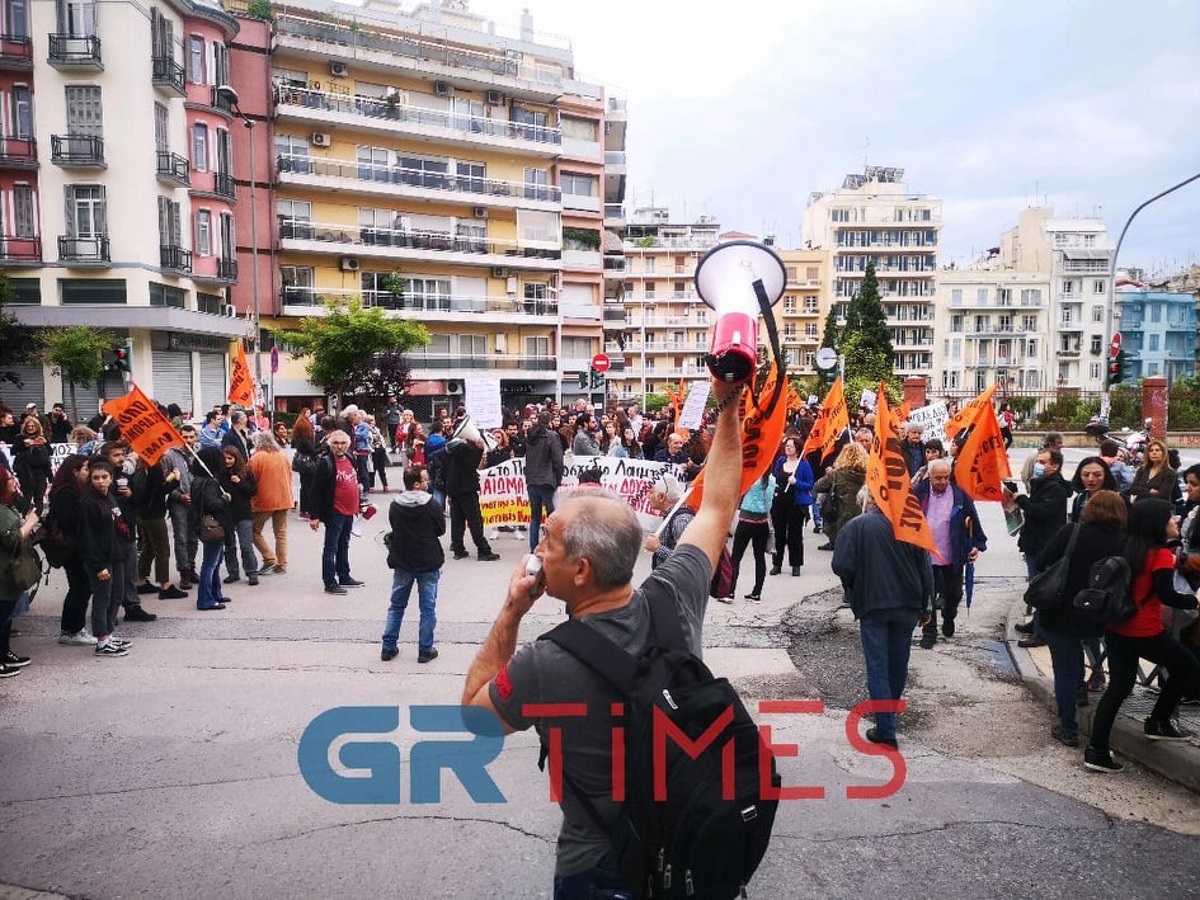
(1158, 331)
(104, 183)
(800, 314)
(430, 164)
(667, 325)
(873, 216)
(1076, 255)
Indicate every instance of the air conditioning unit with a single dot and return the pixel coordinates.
(229, 311)
(495, 98)
(454, 388)
(499, 272)
(321, 139)
(339, 70)
(349, 263)
(443, 89)
(481, 212)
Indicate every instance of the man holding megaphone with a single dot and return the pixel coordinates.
(464, 451)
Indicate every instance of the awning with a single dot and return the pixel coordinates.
(1073, 253)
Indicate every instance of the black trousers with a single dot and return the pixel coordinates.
(788, 521)
(79, 590)
(756, 535)
(464, 513)
(948, 584)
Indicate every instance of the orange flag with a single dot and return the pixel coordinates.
(795, 402)
(147, 430)
(761, 436)
(983, 461)
(832, 420)
(241, 383)
(887, 477)
(966, 416)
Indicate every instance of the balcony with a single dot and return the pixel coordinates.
(16, 52)
(175, 259)
(168, 74)
(77, 151)
(456, 307)
(614, 315)
(405, 243)
(221, 101)
(171, 167)
(20, 251)
(84, 252)
(500, 362)
(614, 215)
(223, 185)
(18, 153)
(393, 117)
(68, 51)
(227, 269)
(614, 162)
(397, 181)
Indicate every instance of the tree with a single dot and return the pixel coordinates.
(866, 343)
(19, 344)
(343, 345)
(832, 337)
(390, 378)
(77, 355)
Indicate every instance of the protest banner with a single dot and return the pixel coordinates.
(693, 408)
(983, 461)
(832, 419)
(887, 477)
(931, 418)
(483, 401)
(241, 382)
(869, 399)
(966, 416)
(147, 430)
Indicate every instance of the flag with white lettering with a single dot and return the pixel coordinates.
(887, 477)
(832, 420)
(147, 430)
(983, 461)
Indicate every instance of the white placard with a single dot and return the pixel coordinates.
(693, 407)
(932, 417)
(868, 399)
(483, 401)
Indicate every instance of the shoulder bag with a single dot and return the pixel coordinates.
(1045, 591)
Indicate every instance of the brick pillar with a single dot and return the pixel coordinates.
(914, 391)
(1155, 395)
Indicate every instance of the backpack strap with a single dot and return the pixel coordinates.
(597, 652)
(664, 621)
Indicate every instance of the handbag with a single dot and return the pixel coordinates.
(211, 529)
(1045, 590)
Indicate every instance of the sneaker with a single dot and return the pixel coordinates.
(775, 570)
(148, 588)
(137, 614)
(351, 582)
(278, 569)
(1031, 642)
(928, 639)
(387, 654)
(335, 589)
(9, 671)
(81, 638)
(13, 661)
(120, 642)
(266, 569)
(875, 737)
(108, 648)
(461, 554)
(488, 557)
(1023, 628)
(1155, 731)
(208, 608)
(424, 656)
(1101, 761)
(1064, 737)
(252, 580)
(231, 579)
(754, 597)
(725, 600)
(172, 593)
(826, 546)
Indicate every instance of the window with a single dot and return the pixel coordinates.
(537, 184)
(162, 141)
(1004, 297)
(578, 129)
(1029, 323)
(679, 289)
(650, 290)
(91, 291)
(16, 17)
(162, 36)
(1098, 286)
(810, 329)
(220, 63)
(224, 153)
(25, 220)
(1154, 339)
(424, 171)
(196, 60)
(84, 115)
(1096, 343)
(1068, 286)
(22, 112)
(169, 225)
(956, 296)
(227, 245)
(77, 18)
(428, 293)
(536, 346)
(295, 219)
(650, 263)
(1031, 348)
(810, 273)
(373, 163)
(203, 232)
(789, 331)
(789, 305)
(981, 296)
(956, 324)
(200, 147)
(1094, 371)
(1156, 312)
(87, 211)
(164, 295)
(1089, 240)
(577, 348)
(292, 152)
(578, 185)
(1097, 314)
(839, 215)
(1031, 297)
(810, 305)
(470, 176)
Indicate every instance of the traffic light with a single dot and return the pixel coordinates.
(583, 380)
(121, 359)
(597, 381)
(1117, 368)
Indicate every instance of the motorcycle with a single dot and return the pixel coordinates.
(1134, 441)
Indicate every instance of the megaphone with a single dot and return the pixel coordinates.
(465, 431)
(729, 279)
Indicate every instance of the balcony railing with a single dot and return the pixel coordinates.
(385, 110)
(172, 167)
(417, 178)
(456, 303)
(499, 361)
(18, 250)
(411, 239)
(18, 153)
(175, 258)
(227, 268)
(16, 52)
(71, 50)
(77, 150)
(223, 185)
(93, 250)
(221, 100)
(167, 73)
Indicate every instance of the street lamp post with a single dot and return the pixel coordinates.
(232, 96)
(1112, 282)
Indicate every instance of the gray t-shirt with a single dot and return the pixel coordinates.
(542, 672)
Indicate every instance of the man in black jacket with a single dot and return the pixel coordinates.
(543, 474)
(122, 490)
(461, 474)
(1045, 510)
(415, 556)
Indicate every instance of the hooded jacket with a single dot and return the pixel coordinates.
(543, 457)
(418, 522)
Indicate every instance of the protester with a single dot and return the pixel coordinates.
(280, 430)
(543, 474)
(336, 498)
(1007, 420)
(238, 435)
(913, 448)
(791, 498)
(1053, 441)
(1101, 534)
(415, 555)
(179, 500)
(1091, 475)
(753, 529)
(1045, 511)
(121, 490)
(461, 476)
(584, 443)
(391, 417)
(663, 497)
(435, 460)
(1112, 456)
(151, 486)
(1152, 528)
(16, 533)
(304, 443)
(1155, 477)
(60, 425)
(588, 553)
(66, 493)
(240, 484)
(674, 452)
(105, 536)
(629, 446)
(842, 482)
(31, 461)
(379, 457)
(208, 499)
(271, 502)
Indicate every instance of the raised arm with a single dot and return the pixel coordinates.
(722, 480)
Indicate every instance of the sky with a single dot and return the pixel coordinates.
(740, 112)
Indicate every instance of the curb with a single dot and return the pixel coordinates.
(1178, 762)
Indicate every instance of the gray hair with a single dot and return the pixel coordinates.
(265, 440)
(606, 532)
(866, 500)
(669, 487)
(940, 463)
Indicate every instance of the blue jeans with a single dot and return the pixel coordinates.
(402, 584)
(886, 636)
(601, 882)
(241, 534)
(208, 592)
(335, 556)
(1066, 656)
(539, 495)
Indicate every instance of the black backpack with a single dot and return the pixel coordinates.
(1106, 599)
(694, 843)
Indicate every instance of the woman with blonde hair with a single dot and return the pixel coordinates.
(1155, 477)
(842, 483)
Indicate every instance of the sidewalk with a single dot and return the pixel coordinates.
(1177, 760)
